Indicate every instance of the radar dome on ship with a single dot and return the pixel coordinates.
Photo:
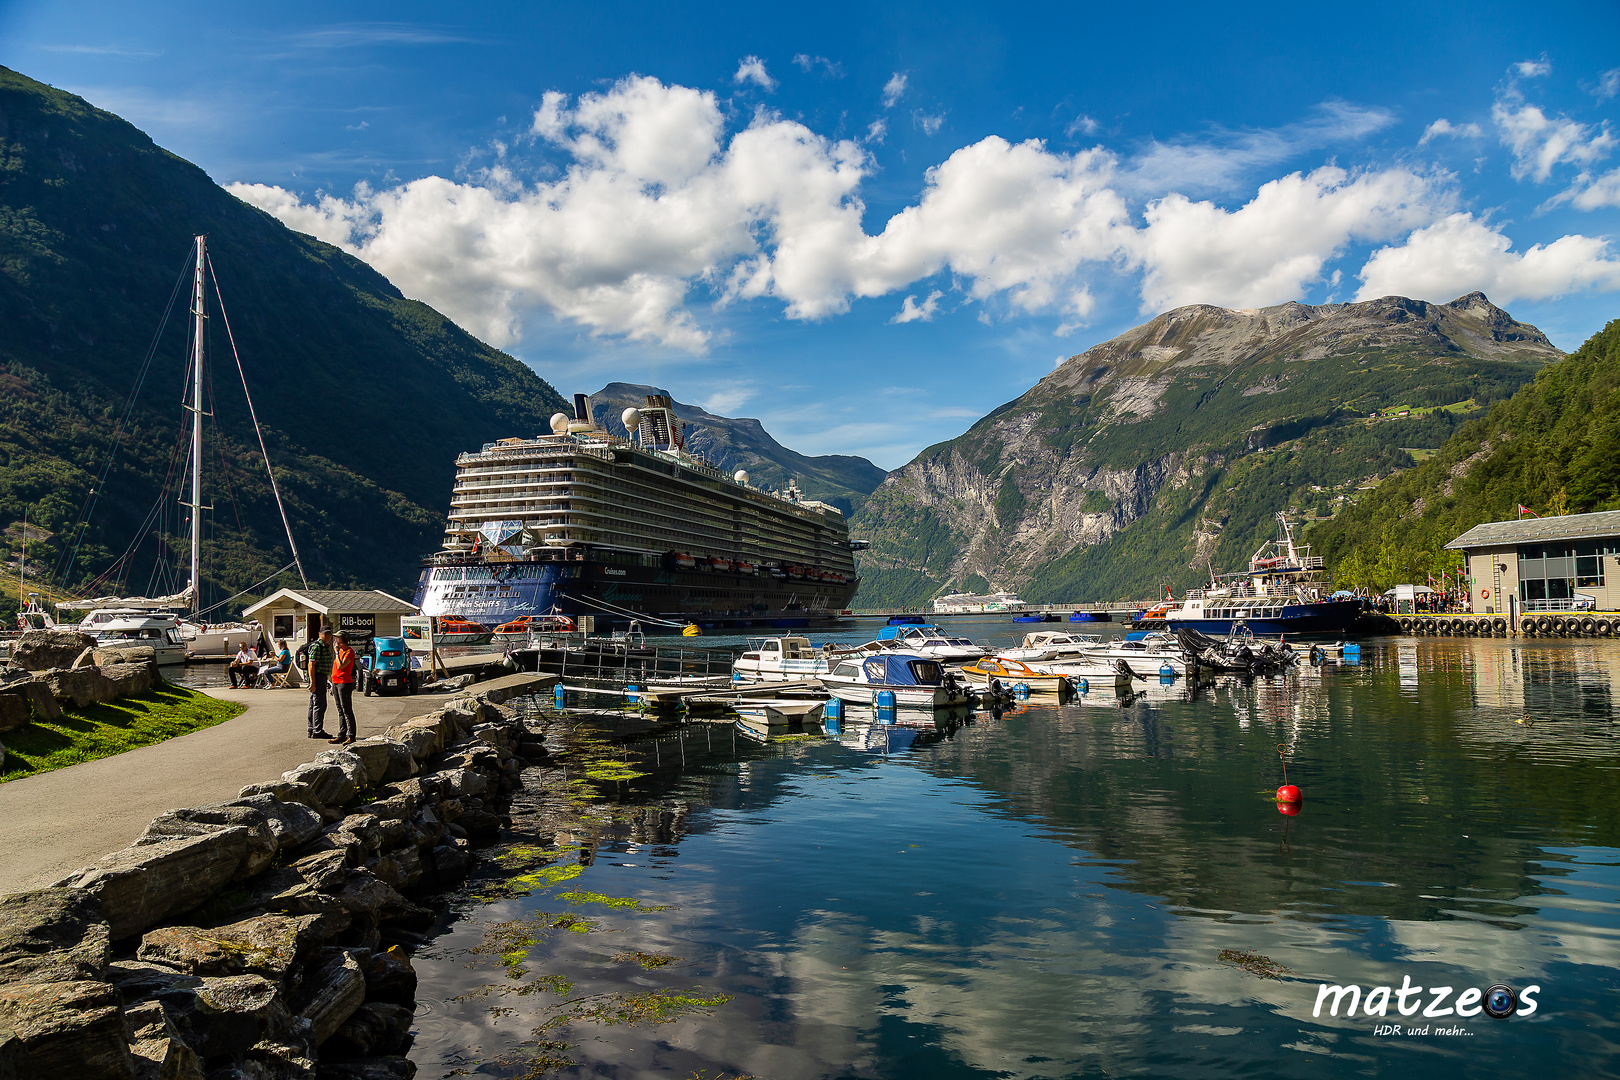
(631, 418)
(559, 423)
(741, 476)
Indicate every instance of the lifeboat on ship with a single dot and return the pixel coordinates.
(683, 561)
(720, 565)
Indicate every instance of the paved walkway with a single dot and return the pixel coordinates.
(54, 823)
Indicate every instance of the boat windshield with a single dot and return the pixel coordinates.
(926, 672)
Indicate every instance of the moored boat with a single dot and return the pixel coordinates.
(913, 680)
(1008, 673)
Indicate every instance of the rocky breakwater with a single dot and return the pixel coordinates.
(265, 938)
(55, 669)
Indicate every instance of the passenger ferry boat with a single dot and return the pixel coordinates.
(1283, 592)
(582, 523)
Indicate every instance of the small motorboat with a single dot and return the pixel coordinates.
(1090, 616)
(933, 642)
(157, 630)
(1051, 645)
(912, 679)
(1008, 673)
(781, 659)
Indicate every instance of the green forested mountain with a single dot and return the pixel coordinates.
(1553, 447)
(840, 480)
(1163, 454)
(365, 397)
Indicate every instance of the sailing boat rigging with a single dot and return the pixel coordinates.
(189, 599)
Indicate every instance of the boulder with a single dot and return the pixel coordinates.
(158, 1050)
(390, 977)
(52, 935)
(291, 823)
(126, 654)
(497, 735)
(15, 1061)
(267, 945)
(40, 650)
(136, 980)
(127, 679)
(326, 871)
(139, 887)
(302, 794)
(424, 735)
(287, 1059)
(376, 1028)
(36, 694)
(375, 754)
(198, 820)
(401, 807)
(14, 712)
(79, 688)
(408, 861)
(481, 826)
(363, 893)
(383, 1068)
(335, 990)
(328, 784)
(449, 865)
(72, 1030)
(225, 1017)
(352, 765)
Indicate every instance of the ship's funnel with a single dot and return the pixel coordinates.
(582, 408)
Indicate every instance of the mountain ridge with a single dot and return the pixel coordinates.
(1147, 459)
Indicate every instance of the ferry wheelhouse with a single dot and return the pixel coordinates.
(583, 523)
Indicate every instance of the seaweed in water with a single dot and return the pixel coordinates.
(1261, 966)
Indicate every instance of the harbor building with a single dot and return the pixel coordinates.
(299, 614)
(1569, 563)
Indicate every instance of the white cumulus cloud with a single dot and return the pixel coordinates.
(1443, 126)
(1270, 249)
(1540, 142)
(751, 69)
(894, 89)
(1461, 254)
(911, 311)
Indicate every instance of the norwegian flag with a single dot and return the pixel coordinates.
(1523, 510)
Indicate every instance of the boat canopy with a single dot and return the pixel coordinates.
(899, 669)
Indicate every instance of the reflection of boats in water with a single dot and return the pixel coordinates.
(911, 729)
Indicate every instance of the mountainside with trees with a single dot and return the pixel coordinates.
(1163, 455)
(1553, 447)
(365, 397)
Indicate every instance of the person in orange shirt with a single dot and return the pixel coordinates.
(343, 667)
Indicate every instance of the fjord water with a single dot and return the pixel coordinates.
(1049, 892)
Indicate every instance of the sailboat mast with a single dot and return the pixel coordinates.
(196, 424)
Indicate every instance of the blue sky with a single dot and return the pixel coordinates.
(869, 225)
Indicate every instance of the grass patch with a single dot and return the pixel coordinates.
(100, 731)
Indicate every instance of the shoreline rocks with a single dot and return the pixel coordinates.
(261, 937)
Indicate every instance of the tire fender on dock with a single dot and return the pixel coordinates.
(1604, 628)
(1589, 625)
(1406, 626)
(1544, 625)
(1527, 625)
(1500, 625)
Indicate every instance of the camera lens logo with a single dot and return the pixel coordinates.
(1500, 1002)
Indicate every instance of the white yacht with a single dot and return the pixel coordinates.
(782, 659)
(159, 630)
(1045, 645)
(932, 642)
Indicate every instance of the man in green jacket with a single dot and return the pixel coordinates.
(320, 673)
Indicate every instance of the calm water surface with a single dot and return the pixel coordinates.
(1048, 893)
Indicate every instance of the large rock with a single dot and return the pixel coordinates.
(292, 823)
(335, 990)
(126, 654)
(352, 765)
(157, 1047)
(376, 1028)
(73, 1030)
(80, 687)
(40, 650)
(14, 712)
(328, 783)
(390, 977)
(36, 694)
(375, 754)
(268, 945)
(15, 1061)
(52, 935)
(127, 679)
(139, 887)
(302, 794)
(198, 820)
(225, 1017)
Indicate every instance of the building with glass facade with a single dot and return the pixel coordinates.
(1566, 563)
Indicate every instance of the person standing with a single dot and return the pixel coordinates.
(343, 667)
(320, 671)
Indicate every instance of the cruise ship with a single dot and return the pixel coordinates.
(584, 523)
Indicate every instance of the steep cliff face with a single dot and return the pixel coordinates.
(840, 480)
(1157, 456)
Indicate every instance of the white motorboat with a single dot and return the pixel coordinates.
(1051, 645)
(912, 679)
(782, 659)
(1145, 655)
(159, 631)
(215, 639)
(932, 642)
